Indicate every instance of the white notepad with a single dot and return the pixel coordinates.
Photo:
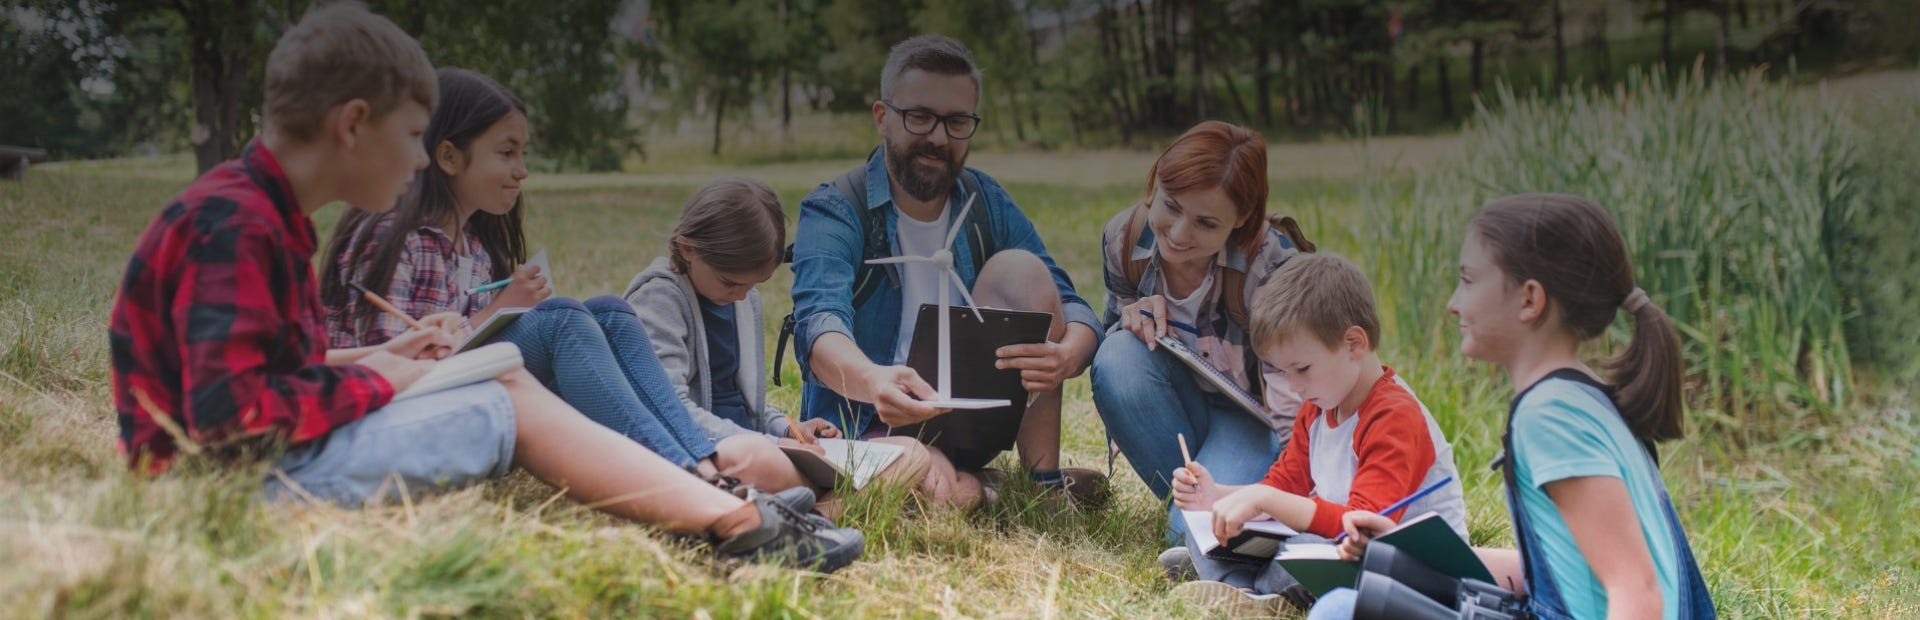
(1258, 541)
(466, 368)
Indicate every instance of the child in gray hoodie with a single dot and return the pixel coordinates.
(703, 315)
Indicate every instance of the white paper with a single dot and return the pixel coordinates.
(859, 460)
(540, 259)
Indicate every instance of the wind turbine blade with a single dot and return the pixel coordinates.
(900, 259)
(962, 286)
(960, 222)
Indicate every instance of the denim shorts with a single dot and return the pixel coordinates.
(425, 444)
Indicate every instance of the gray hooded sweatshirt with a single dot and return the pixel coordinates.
(670, 310)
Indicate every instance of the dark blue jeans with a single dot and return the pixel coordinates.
(596, 356)
(1146, 397)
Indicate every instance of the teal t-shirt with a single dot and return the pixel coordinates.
(1564, 429)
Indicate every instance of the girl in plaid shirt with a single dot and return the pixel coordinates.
(460, 227)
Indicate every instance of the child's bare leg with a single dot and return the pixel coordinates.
(946, 486)
(910, 469)
(604, 470)
(1019, 280)
(756, 461)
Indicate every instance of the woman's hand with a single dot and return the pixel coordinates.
(1148, 329)
(432, 343)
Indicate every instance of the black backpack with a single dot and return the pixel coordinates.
(873, 224)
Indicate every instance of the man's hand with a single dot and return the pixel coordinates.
(897, 392)
(1044, 366)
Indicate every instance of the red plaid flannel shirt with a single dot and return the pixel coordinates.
(218, 323)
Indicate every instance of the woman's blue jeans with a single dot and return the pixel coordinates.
(1145, 398)
(596, 356)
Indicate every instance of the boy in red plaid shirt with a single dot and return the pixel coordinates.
(219, 345)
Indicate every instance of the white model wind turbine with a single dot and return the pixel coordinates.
(943, 259)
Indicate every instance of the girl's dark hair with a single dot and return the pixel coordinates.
(734, 223)
(470, 103)
(1573, 248)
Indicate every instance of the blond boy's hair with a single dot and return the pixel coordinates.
(1321, 294)
(337, 53)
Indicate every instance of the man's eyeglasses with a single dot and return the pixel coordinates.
(920, 122)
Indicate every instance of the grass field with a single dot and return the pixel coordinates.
(1804, 519)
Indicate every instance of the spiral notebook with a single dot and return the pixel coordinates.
(1219, 380)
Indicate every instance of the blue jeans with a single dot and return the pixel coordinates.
(430, 443)
(1146, 397)
(1268, 578)
(596, 356)
(1338, 604)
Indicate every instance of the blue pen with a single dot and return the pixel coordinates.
(1403, 503)
(1172, 323)
(490, 286)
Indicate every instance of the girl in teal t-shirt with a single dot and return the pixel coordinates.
(1597, 534)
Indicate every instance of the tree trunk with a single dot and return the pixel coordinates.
(719, 115)
(1559, 49)
(1602, 54)
(1446, 88)
(786, 80)
(1666, 33)
(220, 40)
(1263, 79)
(1479, 53)
(1411, 102)
(1720, 42)
(1741, 6)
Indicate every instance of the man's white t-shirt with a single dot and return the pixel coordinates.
(919, 281)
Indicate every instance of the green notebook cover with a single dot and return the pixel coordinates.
(1427, 538)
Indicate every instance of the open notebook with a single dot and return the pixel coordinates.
(1257, 542)
(498, 321)
(1427, 538)
(466, 368)
(1219, 380)
(855, 461)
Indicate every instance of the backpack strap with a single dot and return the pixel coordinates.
(873, 223)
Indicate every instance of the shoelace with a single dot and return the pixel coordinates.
(792, 516)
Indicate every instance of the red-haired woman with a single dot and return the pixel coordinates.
(1184, 262)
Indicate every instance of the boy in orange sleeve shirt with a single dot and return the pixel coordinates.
(1361, 441)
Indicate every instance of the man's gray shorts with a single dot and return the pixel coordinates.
(424, 444)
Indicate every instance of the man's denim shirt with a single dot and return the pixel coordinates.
(826, 255)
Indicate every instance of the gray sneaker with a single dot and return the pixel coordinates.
(1178, 563)
(794, 539)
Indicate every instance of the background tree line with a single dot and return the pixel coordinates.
(91, 78)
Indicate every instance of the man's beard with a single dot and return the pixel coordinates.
(917, 181)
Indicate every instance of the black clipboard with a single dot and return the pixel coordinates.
(974, 348)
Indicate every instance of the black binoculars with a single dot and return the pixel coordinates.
(1398, 586)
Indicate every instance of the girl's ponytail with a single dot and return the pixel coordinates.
(1574, 249)
(1647, 376)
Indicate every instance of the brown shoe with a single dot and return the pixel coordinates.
(1086, 487)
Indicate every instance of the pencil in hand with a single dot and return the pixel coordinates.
(1186, 458)
(383, 305)
(794, 430)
